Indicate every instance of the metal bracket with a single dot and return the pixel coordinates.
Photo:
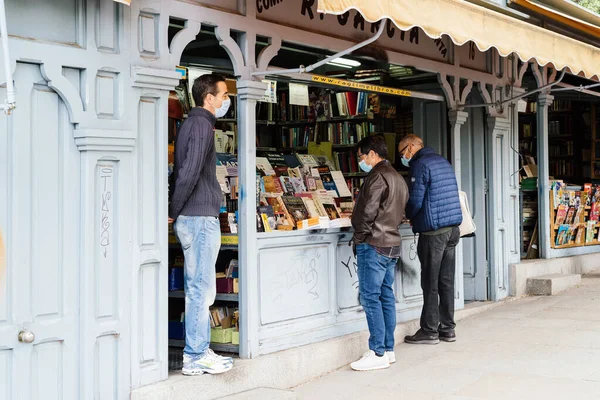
(499, 104)
(302, 69)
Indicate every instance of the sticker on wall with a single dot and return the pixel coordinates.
(298, 94)
(270, 95)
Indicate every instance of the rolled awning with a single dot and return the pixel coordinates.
(463, 22)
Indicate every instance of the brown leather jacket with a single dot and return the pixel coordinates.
(379, 210)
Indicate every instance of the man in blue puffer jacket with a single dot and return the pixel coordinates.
(434, 211)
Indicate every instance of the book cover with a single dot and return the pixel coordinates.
(570, 215)
(291, 160)
(294, 172)
(327, 179)
(595, 211)
(590, 231)
(580, 234)
(340, 184)
(298, 185)
(267, 216)
(561, 214)
(276, 160)
(314, 172)
(282, 216)
(286, 183)
(562, 237)
(295, 207)
(229, 161)
(259, 223)
(265, 222)
(310, 207)
(264, 166)
(272, 184)
(307, 160)
(352, 101)
(310, 183)
(578, 214)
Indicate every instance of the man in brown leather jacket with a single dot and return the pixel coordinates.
(378, 213)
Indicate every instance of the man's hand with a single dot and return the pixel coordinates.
(171, 220)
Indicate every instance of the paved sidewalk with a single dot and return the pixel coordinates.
(532, 348)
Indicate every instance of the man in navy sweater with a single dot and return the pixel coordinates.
(435, 214)
(194, 208)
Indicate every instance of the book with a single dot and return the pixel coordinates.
(595, 211)
(340, 184)
(229, 161)
(307, 160)
(570, 215)
(326, 202)
(279, 211)
(562, 237)
(295, 207)
(298, 184)
(272, 184)
(327, 178)
(288, 186)
(264, 166)
(309, 203)
(561, 214)
(590, 231)
(268, 217)
(580, 234)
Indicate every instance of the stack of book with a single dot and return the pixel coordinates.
(305, 195)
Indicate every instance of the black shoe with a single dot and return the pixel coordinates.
(448, 336)
(422, 338)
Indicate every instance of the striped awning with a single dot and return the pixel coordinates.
(463, 22)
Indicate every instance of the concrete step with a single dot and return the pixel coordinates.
(263, 394)
(549, 285)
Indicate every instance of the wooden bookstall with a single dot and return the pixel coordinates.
(578, 224)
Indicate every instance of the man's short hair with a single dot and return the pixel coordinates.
(376, 143)
(410, 139)
(205, 84)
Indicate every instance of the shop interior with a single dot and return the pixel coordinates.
(574, 167)
(307, 169)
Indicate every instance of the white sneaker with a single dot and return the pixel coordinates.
(370, 362)
(218, 357)
(391, 356)
(210, 363)
(188, 359)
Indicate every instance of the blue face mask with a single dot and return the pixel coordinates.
(405, 161)
(364, 166)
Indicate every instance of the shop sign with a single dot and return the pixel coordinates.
(303, 14)
(471, 57)
(360, 86)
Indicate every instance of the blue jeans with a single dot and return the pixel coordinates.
(200, 238)
(375, 282)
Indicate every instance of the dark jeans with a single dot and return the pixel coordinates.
(376, 290)
(437, 257)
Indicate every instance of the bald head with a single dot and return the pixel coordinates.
(410, 145)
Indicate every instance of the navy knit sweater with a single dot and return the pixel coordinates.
(197, 191)
(433, 202)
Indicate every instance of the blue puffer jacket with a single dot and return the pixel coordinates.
(433, 202)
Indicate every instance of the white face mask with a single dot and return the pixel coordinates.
(221, 111)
